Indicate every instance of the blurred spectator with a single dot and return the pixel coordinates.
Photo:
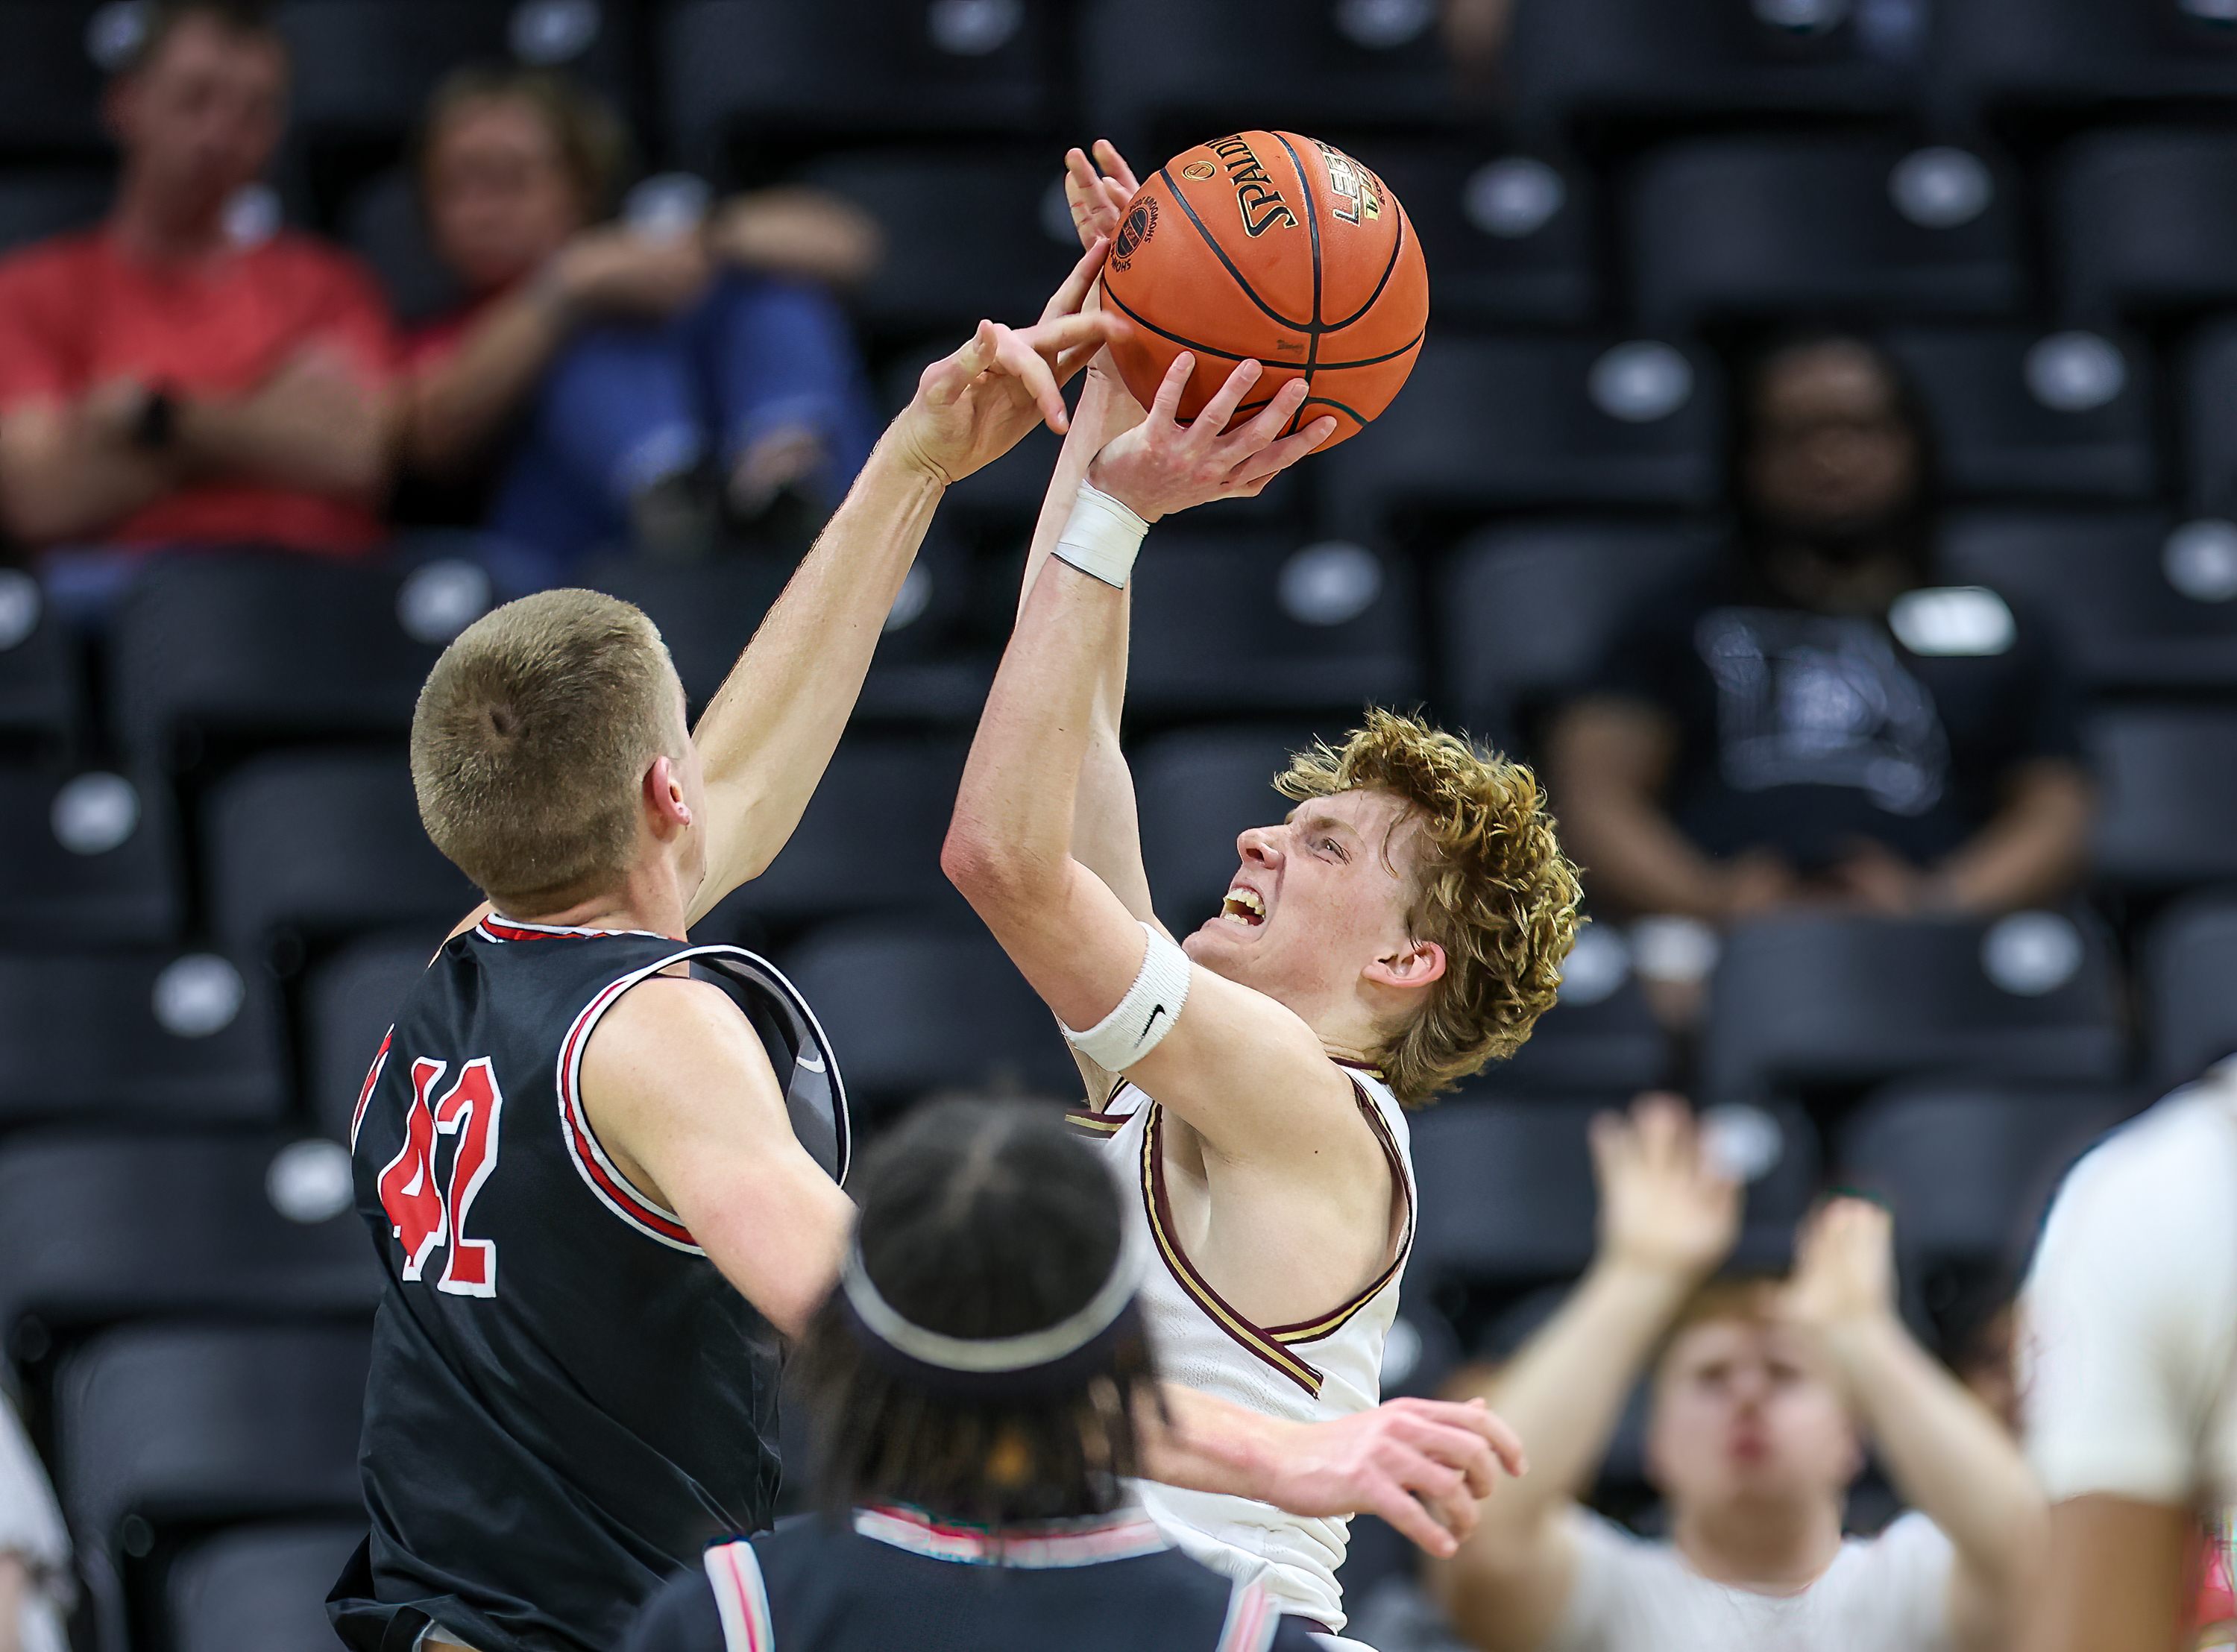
(34, 1579)
(167, 379)
(598, 369)
(1818, 723)
(2129, 1374)
(1760, 1395)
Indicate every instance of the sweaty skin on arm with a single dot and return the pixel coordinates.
(2114, 1577)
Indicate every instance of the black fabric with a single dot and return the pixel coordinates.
(537, 1459)
(832, 1590)
(1953, 728)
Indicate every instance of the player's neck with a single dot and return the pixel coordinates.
(1771, 1549)
(648, 902)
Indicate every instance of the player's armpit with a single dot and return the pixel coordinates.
(681, 1095)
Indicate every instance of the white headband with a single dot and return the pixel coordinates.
(993, 1354)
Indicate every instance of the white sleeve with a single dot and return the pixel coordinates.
(2131, 1310)
(31, 1524)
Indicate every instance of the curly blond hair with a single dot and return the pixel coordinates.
(1491, 886)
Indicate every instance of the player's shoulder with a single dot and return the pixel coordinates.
(2164, 1169)
(683, 1616)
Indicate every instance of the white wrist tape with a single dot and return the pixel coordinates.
(1144, 1016)
(1101, 538)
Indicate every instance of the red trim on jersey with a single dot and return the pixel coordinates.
(1038, 1545)
(494, 928)
(582, 1146)
(741, 1597)
(372, 1077)
(1252, 1618)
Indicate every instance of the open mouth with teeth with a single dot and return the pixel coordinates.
(1245, 908)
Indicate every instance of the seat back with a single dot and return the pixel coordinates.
(179, 1036)
(1197, 792)
(1801, 1005)
(50, 79)
(2190, 976)
(2143, 220)
(350, 998)
(259, 1585)
(2169, 816)
(89, 856)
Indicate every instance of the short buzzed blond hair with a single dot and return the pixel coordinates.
(1490, 885)
(531, 742)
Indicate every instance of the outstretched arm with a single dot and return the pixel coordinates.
(1666, 1222)
(1948, 1456)
(771, 729)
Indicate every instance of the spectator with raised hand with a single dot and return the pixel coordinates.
(167, 379)
(597, 371)
(1762, 1396)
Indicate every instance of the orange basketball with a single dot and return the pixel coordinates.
(1277, 247)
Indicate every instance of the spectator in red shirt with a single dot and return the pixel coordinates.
(162, 383)
(600, 376)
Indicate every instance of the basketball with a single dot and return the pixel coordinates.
(1270, 247)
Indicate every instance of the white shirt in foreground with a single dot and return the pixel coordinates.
(2129, 1355)
(31, 1527)
(1884, 1594)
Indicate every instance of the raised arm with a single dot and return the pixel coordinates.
(1948, 1456)
(1667, 1220)
(1230, 1065)
(770, 731)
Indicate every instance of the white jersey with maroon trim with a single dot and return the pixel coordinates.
(1312, 1372)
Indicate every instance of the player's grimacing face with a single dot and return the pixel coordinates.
(1317, 897)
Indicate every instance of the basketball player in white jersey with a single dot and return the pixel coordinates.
(2129, 1372)
(1407, 923)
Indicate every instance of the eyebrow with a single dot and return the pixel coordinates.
(1321, 822)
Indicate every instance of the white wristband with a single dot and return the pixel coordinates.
(1144, 1016)
(1101, 538)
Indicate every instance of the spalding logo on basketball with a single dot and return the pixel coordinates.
(1280, 248)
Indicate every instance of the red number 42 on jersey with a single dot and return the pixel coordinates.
(425, 1213)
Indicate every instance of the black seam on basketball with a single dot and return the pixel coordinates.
(1414, 343)
(1163, 333)
(1397, 246)
(1312, 224)
(1220, 252)
(1330, 401)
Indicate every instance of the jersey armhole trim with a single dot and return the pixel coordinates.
(1251, 1619)
(1329, 1324)
(741, 1596)
(612, 1189)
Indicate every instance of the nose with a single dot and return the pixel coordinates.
(1257, 847)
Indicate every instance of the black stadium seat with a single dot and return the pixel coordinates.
(1599, 1039)
(734, 72)
(40, 667)
(97, 1227)
(279, 648)
(164, 1428)
(2168, 817)
(2208, 383)
(967, 236)
(51, 82)
(869, 840)
(2019, 415)
(706, 614)
(86, 859)
(2141, 220)
(364, 67)
(263, 1585)
(1199, 791)
(911, 1008)
(34, 204)
(1511, 239)
(1793, 225)
(2140, 602)
(1507, 1189)
(1594, 66)
(1256, 624)
(2190, 978)
(179, 1036)
(350, 1000)
(324, 844)
(1526, 610)
(1813, 1004)
(1491, 424)
(1315, 66)
(1968, 1171)
(2025, 60)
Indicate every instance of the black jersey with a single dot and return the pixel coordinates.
(896, 1578)
(567, 1400)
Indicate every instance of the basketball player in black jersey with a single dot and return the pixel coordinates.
(577, 1149)
(972, 1380)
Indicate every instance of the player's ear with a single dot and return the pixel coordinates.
(663, 795)
(1414, 966)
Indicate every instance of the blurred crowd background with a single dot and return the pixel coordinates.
(1821, 463)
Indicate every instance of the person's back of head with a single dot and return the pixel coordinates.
(530, 744)
(983, 1354)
